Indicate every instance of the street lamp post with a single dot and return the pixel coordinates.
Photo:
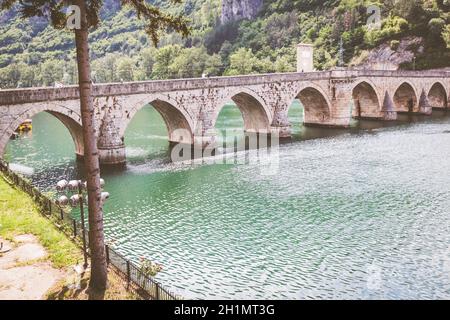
(75, 200)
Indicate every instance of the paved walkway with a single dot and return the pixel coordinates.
(25, 274)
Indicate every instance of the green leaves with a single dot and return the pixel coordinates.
(271, 37)
(156, 20)
(446, 35)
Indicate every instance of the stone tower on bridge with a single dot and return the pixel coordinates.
(305, 57)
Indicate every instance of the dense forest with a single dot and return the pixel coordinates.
(413, 34)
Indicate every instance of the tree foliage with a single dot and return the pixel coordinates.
(269, 40)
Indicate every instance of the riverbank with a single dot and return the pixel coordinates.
(37, 261)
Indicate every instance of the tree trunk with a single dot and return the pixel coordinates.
(98, 280)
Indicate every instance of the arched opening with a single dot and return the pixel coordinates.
(146, 135)
(230, 125)
(365, 102)
(46, 153)
(405, 98)
(437, 96)
(152, 128)
(256, 117)
(309, 115)
(179, 128)
(70, 124)
(316, 109)
(242, 115)
(75, 131)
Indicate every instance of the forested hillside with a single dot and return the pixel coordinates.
(413, 32)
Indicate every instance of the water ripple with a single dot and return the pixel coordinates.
(354, 216)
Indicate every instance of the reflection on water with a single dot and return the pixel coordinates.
(359, 213)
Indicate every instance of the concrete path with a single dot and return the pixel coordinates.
(25, 274)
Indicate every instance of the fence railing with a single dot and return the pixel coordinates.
(143, 284)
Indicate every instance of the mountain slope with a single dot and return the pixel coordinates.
(32, 53)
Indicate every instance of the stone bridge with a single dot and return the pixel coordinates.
(329, 98)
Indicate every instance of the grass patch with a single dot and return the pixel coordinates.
(19, 215)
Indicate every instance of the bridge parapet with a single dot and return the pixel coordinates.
(29, 95)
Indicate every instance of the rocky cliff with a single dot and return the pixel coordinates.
(235, 10)
(391, 56)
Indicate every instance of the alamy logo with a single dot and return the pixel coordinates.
(73, 17)
(374, 20)
(259, 149)
(73, 13)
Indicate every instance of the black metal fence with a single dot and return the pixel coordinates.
(140, 282)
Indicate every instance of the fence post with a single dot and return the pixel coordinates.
(107, 254)
(74, 228)
(61, 214)
(157, 291)
(128, 273)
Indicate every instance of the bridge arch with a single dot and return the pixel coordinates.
(70, 118)
(406, 98)
(438, 96)
(179, 123)
(257, 116)
(316, 104)
(367, 101)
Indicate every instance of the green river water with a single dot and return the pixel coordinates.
(360, 213)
